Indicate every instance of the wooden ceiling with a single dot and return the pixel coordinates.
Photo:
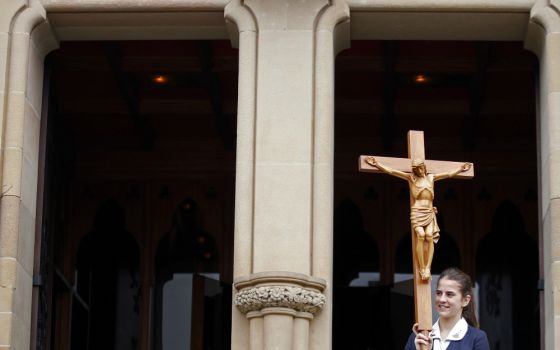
(478, 99)
(477, 102)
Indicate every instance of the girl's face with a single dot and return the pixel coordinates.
(449, 299)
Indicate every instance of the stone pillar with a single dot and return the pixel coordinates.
(284, 179)
(543, 38)
(25, 39)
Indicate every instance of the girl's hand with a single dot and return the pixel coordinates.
(422, 340)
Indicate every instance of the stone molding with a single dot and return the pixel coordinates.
(272, 292)
(442, 5)
(29, 25)
(545, 14)
(334, 14)
(336, 18)
(544, 19)
(212, 5)
(240, 17)
(132, 5)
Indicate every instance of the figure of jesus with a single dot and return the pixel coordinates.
(422, 210)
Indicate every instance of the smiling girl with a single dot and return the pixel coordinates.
(457, 326)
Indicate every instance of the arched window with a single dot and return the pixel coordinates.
(105, 301)
(356, 255)
(188, 290)
(507, 273)
(356, 282)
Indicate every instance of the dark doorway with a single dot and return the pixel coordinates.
(137, 132)
(475, 101)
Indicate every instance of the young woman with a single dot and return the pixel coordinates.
(457, 326)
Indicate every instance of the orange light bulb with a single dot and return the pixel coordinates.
(420, 79)
(160, 79)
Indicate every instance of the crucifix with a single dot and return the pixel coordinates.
(420, 175)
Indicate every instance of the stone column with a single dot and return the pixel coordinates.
(543, 38)
(284, 179)
(25, 39)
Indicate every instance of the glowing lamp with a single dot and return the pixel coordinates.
(160, 79)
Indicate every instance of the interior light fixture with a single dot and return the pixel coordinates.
(421, 79)
(160, 79)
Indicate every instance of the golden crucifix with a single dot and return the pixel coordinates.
(420, 175)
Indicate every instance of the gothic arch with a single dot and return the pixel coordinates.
(355, 250)
(185, 257)
(507, 274)
(356, 267)
(105, 309)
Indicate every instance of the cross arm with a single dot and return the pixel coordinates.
(404, 165)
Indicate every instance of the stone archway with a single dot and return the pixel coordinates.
(392, 20)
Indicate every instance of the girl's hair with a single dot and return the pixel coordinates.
(466, 286)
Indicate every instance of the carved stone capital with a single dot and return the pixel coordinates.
(267, 290)
(295, 298)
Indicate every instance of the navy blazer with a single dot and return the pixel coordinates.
(475, 339)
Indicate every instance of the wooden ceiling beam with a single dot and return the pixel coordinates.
(477, 91)
(390, 80)
(128, 89)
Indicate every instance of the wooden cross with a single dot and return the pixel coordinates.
(402, 167)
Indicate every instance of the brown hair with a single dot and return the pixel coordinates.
(466, 286)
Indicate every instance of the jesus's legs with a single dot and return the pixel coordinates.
(421, 236)
(430, 251)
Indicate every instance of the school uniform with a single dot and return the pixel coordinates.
(461, 337)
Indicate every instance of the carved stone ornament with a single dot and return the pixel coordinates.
(296, 298)
(279, 290)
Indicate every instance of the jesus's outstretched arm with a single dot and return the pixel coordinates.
(397, 173)
(462, 168)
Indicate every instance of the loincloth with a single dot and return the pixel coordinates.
(422, 217)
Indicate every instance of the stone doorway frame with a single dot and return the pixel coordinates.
(31, 29)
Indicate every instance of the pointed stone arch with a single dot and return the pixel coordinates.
(105, 304)
(356, 280)
(355, 250)
(507, 274)
(186, 267)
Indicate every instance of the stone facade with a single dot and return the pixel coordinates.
(283, 261)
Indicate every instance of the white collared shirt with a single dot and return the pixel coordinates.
(457, 333)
